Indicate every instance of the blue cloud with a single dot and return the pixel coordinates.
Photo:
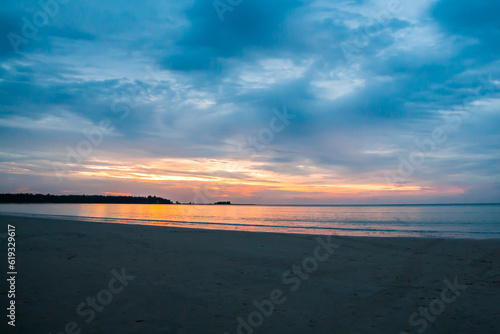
(215, 82)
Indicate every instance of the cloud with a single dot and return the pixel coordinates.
(177, 82)
(250, 26)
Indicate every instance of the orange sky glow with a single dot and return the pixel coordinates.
(244, 181)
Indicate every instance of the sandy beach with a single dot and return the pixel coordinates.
(85, 277)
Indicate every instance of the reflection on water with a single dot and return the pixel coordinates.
(477, 221)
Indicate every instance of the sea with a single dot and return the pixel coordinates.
(478, 221)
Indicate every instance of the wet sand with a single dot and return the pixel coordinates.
(85, 277)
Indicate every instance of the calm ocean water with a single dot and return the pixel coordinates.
(457, 221)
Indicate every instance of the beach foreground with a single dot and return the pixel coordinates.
(84, 277)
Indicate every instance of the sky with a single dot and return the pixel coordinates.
(277, 102)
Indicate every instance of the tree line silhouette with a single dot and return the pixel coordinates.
(40, 198)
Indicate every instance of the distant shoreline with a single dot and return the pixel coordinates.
(80, 199)
(8, 198)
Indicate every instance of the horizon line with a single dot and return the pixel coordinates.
(229, 202)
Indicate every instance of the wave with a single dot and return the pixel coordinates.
(276, 228)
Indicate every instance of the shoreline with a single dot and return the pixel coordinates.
(314, 231)
(212, 281)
